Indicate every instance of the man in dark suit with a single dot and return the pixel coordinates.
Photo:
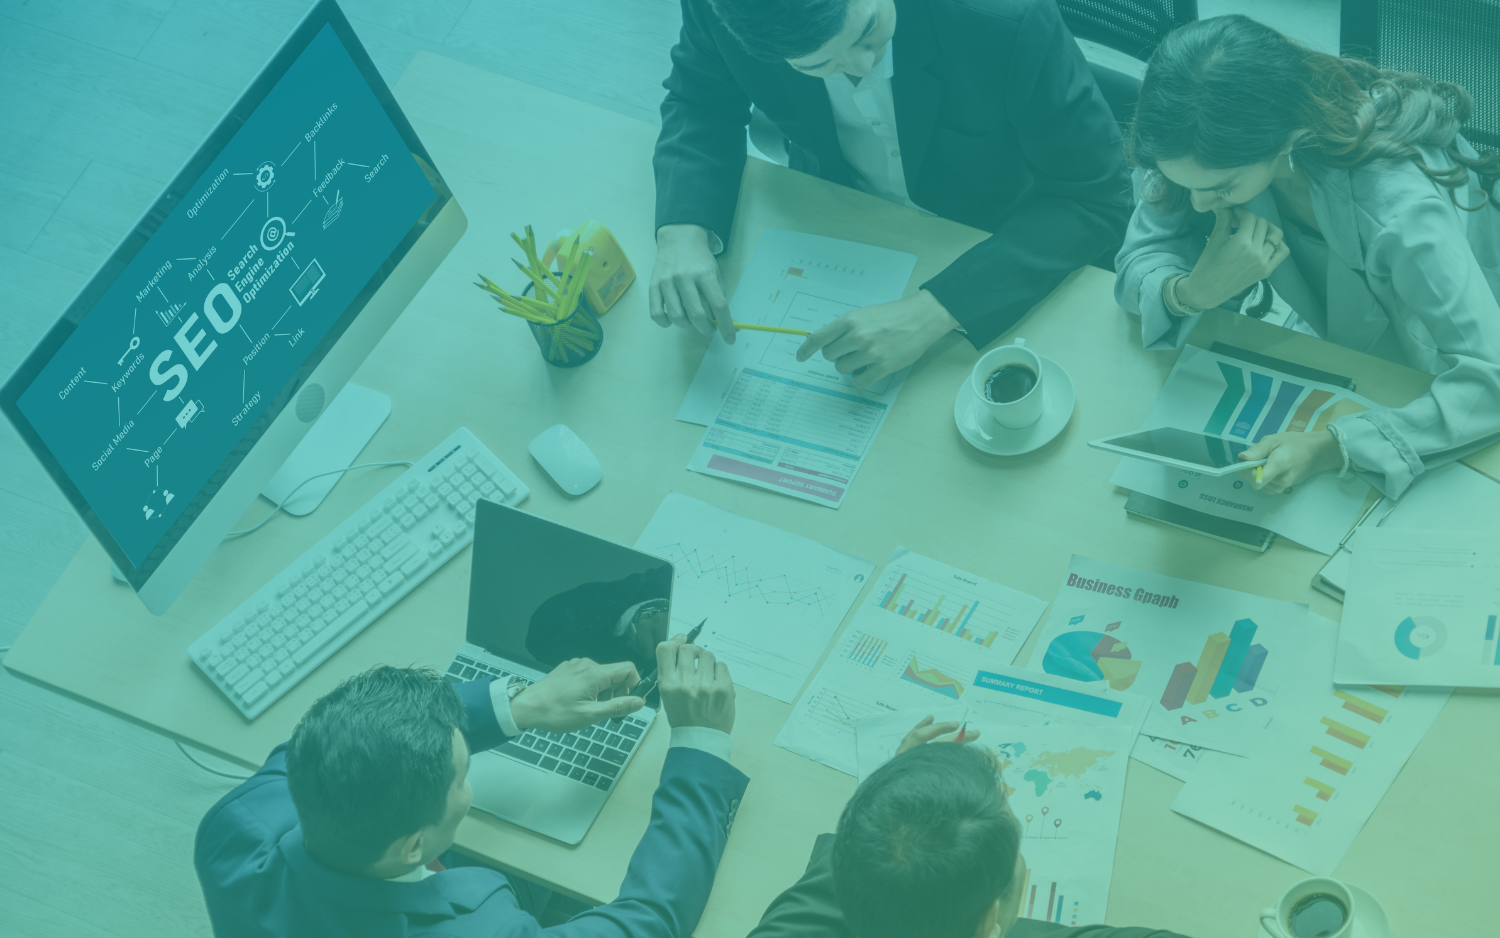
(345, 830)
(982, 111)
(927, 846)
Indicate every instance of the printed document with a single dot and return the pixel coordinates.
(1422, 607)
(797, 428)
(1221, 396)
(773, 600)
(1208, 660)
(811, 260)
(923, 637)
(1312, 781)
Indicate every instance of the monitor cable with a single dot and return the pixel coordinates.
(364, 465)
(183, 750)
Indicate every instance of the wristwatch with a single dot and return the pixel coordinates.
(516, 685)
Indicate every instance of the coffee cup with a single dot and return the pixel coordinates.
(1313, 908)
(1008, 383)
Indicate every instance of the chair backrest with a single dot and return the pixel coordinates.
(1134, 27)
(1446, 40)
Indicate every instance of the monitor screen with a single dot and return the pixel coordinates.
(541, 593)
(1197, 448)
(241, 284)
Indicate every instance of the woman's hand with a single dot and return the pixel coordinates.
(928, 731)
(1233, 263)
(1292, 457)
(870, 343)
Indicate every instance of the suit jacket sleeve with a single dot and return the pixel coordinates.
(1158, 245)
(672, 870)
(700, 154)
(1078, 204)
(1442, 291)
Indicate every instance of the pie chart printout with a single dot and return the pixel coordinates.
(1421, 636)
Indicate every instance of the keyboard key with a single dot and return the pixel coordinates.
(390, 582)
(628, 745)
(603, 768)
(413, 565)
(590, 779)
(563, 769)
(596, 749)
(554, 749)
(248, 681)
(238, 674)
(603, 784)
(631, 730)
(614, 739)
(326, 635)
(518, 752)
(549, 764)
(615, 756)
(254, 693)
(469, 674)
(587, 732)
(578, 773)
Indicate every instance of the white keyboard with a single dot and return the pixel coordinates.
(363, 567)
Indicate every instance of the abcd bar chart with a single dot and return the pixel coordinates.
(1228, 663)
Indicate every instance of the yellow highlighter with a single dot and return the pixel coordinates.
(754, 328)
(1259, 474)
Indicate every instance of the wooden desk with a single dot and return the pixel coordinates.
(452, 360)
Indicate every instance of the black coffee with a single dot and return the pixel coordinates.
(1009, 383)
(1317, 916)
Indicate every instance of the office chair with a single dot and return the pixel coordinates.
(1446, 40)
(1134, 27)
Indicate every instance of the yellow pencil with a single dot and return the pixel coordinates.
(755, 328)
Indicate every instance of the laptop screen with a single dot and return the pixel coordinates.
(541, 593)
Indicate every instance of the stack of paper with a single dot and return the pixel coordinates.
(1221, 396)
(1310, 783)
(920, 640)
(772, 599)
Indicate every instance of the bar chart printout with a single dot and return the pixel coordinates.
(887, 660)
(1322, 767)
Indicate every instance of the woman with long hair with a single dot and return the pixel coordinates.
(1270, 176)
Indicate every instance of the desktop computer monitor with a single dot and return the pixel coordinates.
(196, 358)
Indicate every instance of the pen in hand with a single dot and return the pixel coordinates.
(649, 682)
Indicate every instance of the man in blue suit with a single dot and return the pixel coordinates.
(345, 830)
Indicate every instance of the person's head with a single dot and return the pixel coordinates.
(815, 37)
(1225, 100)
(927, 846)
(378, 771)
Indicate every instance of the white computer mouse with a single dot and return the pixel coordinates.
(566, 459)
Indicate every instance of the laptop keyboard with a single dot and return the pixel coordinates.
(593, 756)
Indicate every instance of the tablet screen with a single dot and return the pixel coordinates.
(1196, 448)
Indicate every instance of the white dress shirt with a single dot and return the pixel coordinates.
(864, 115)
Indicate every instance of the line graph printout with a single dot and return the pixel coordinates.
(885, 661)
(1221, 396)
(772, 599)
(793, 257)
(1331, 753)
(798, 428)
(1065, 784)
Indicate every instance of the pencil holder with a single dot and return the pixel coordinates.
(571, 342)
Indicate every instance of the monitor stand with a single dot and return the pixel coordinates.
(334, 442)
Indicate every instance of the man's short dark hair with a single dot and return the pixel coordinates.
(372, 762)
(925, 846)
(782, 29)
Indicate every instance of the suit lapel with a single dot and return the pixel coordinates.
(1355, 318)
(819, 136)
(916, 89)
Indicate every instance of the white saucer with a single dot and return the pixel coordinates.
(987, 436)
(1373, 922)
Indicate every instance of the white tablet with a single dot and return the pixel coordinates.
(1199, 452)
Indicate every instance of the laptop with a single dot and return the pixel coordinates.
(541, 593)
